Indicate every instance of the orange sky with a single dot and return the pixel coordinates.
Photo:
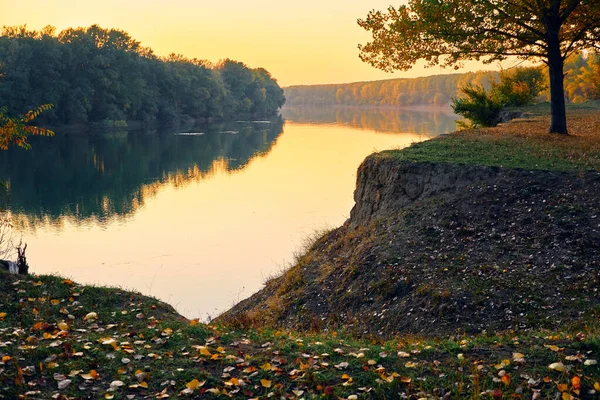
(299, 42)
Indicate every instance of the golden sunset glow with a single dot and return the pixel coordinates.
(298, 42)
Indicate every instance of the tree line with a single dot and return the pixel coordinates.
(104, 75)
(582, 82)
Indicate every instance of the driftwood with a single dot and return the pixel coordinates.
(19, 267)
(22, 260)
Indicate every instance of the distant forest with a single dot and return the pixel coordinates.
(101, 75)
(582, 82)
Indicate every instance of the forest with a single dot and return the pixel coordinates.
(96, 75)
(582, 82)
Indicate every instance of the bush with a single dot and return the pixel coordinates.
(517, 87)
(478, 106)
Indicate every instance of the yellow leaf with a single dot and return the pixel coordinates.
(194, 384)
(410, 364)
(6, 358)
(55, 302)
(576, 383)
(2, 316)
(91, 315)
(405, 379)
(204, 351)
(144, 385)
(266, 367)
(232, 382)
(194, 322)
(567, 396)
(506, 379)
(345, 376)
(63, 326)
(552, 347)
(597, 386)
(265, 383)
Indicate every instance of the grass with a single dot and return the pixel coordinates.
(137, 347)
(522, 143)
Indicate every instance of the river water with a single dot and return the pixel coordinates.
(200, 217)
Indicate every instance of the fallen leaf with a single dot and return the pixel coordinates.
(557, 366)
(63, 384)
(265, 383)
(194, 384)
(91, 315)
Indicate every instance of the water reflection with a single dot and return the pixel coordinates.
(104, 176)
(391, 120)
(198, 221)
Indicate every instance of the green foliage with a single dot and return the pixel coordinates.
(95, 74)
(15, 130)
(481, 108)
(517, 87)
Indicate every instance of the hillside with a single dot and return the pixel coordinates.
(507, 240)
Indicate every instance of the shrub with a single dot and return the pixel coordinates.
(517, 87)
(481, 108)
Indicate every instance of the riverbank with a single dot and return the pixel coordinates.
(484, 283)
(62, 340)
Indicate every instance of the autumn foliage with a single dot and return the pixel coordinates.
(15, 130)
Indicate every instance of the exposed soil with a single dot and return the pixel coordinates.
(493, 250)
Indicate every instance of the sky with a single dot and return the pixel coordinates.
(298, 42)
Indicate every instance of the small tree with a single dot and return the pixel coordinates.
(447, 32)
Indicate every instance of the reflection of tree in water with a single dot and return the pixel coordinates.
(105, 176)
(426, 121)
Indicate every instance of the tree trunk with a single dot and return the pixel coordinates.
(558, 111)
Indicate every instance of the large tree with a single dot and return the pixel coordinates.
(447, 32)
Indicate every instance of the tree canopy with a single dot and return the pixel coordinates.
(448, 32)
(96, 75)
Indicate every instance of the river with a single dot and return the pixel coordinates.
(200, 217)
